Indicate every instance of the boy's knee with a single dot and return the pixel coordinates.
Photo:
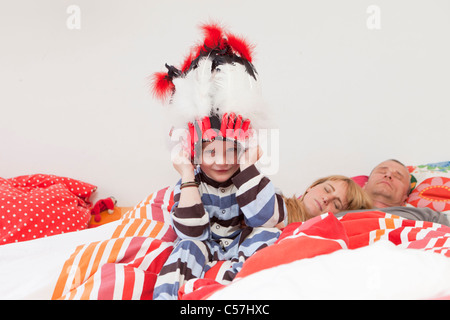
(256, 238)
(190, 244)
(193, 247)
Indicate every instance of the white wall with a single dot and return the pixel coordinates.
(75, 102)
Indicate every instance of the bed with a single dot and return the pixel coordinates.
(363, 255)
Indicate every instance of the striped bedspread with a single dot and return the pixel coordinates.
(121, 259)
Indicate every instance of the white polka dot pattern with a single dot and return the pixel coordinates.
(41, 205)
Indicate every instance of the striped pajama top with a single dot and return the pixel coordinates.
(248, 196)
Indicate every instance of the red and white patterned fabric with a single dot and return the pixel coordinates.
(326, 234)
(121, 259)
(126, 265)
(430, 186)
(35, 206)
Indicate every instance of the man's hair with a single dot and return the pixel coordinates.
(395, 160)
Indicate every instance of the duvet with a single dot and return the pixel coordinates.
(361, 255)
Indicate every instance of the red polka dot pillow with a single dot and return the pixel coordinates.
(40, 205)
(430, 186)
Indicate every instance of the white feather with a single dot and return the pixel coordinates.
(192, 98)
(237, 91)
(228, 89)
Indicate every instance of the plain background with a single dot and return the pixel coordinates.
(350, 83)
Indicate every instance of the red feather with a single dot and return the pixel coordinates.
(194, 53)
(213, 35)
(162, 87)
(187, 62)
(241, 46)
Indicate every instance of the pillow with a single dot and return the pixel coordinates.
(361, 180)
(40, 205)
(430, 186)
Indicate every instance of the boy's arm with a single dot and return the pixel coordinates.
(256, 197)
(189, 218)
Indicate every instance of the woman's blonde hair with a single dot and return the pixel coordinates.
(356, 199)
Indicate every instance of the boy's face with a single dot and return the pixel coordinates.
(219, 160)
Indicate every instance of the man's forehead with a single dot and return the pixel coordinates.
(391, 164)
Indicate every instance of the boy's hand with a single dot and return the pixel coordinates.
(182, 163)
(250, 156)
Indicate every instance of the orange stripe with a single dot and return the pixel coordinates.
(132, 228)
(90, 282)
(159, 225)
(72, 292)
(99, 256)
(88, 285)
(143, 212)
(390, 223)
(144, 228)
(120, 228)
(84, 264)
(149, 198)
(115, 250)
(129, 214)
(82, 267)
(61, 283)
(378, 234)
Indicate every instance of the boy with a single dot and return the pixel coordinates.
(224, 208)
(211, 204)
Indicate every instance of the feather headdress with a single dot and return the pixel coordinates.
(216, 78)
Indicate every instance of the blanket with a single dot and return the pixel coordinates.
(41, 205)
(324, 235)
(121, 259)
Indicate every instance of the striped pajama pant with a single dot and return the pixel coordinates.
(193, 258)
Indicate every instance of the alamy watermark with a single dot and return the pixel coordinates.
(268, 141)
(373, 21)
(73, 21)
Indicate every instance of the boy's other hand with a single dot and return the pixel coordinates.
(250, 156)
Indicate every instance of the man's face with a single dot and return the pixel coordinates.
(388, 184)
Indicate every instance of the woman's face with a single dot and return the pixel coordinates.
(329, 196)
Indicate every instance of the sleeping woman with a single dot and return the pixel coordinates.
(329, 194)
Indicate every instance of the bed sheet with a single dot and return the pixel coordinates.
(121, 260)
(117, 260)
(364, 255)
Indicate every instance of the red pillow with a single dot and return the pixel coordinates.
(360, 180)
(40, 205)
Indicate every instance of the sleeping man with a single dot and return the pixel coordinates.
(388, 186)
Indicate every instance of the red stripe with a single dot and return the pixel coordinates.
(108, 278)
(153, 246)
(440, 242)
(157, 263)
(132, 250)
(129, 282)
(149, 285)
(158, 201)
(153, 270)
(223, 125)
(206, 124)
(412, 234)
